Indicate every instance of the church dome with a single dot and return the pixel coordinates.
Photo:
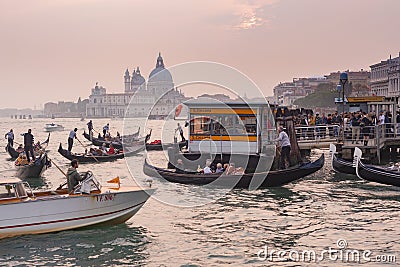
(137, 78)
(160, 73)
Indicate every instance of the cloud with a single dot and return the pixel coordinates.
(249, 14)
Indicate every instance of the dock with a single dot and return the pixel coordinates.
(383, 140)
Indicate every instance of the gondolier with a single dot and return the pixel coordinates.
(106, 128)
(73, 176)
(71, 137)
(285, 148)
(90, 127)
(10, 138)
(180, 132)
(28, 143)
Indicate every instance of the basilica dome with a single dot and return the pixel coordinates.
(160, 73)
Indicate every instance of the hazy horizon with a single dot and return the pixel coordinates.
(57, 50)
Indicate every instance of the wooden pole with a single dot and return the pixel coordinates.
(85, 148)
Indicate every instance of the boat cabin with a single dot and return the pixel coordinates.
(237, 127)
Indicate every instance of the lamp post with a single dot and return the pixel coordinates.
(343, 80)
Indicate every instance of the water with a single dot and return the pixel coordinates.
(311, 214)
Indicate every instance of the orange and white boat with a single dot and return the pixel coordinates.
(27, 212)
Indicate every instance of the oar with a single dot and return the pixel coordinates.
(85, 148)
(61, 185)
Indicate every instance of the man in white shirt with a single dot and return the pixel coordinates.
(71, 137)
(285, 148)
(207, 169)
(381, 118)
(10, 138)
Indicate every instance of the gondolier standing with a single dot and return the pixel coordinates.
(285, 148)
(106, 128)
(90, 127)
(10, 138)
(28, 143)
(71, 137)
(180, 132)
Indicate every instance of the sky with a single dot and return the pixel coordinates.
(54, 50)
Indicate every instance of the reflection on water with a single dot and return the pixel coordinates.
(312, 213)
(102, 246)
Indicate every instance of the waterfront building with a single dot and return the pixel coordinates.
(356, 78)
(385, 78)
(157, 98)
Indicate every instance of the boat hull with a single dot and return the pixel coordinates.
(378, 175)
(32, 171)
(57, 213)
(262, 179)
(343, 166)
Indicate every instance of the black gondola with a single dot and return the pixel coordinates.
(373, 173)
(117, 144)
(341, 165)
(35, 170)
(161, 146)
(83, 158)
(264, 179)
(15, 153)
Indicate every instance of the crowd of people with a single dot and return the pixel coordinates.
(359, 126)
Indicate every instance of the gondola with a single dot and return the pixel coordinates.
(127, 137)
(117, 144)
(341, 165)
(160, 146)
(263, 179)
(35, 170)
(82, 158)
(15, 153)
(373, 173)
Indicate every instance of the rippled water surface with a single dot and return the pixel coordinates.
(311, 214)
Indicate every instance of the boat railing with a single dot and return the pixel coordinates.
(317, 133)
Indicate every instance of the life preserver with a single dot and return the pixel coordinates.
(178, 110)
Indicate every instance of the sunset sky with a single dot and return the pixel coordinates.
(58, 49)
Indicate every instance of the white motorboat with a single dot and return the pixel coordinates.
(27, 212)
(52, 127)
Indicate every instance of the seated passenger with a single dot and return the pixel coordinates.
(230, 170)
(239, 171)
(207, 169)
(22, 160)
(219, 168)
(179, 168)
(111, 151)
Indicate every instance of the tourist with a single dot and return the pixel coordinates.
(365, 125)
(106, 129)
(355, 128)
(111, 151)
(10, 138)
(207, 169)
(180, 132)
(285, 148)
(28, 145)
(73, 176)
(398, 123)
(219, 168)
(179, 168)
(103, 149)
(71, 137)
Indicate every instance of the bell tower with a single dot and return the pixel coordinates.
(127, 79)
